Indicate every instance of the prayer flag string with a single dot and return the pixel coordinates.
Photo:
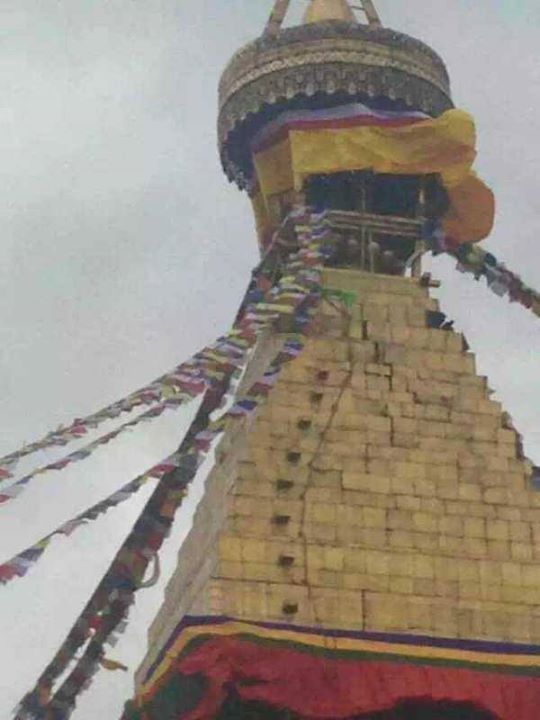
(183, 383)
(258, 309)
(20, 564)
(473, 260)
(104, 615)
(13, 491)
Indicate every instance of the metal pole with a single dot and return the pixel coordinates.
(419, 249)
(416, 265)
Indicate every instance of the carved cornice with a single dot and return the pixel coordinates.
(257, 51)
(334, 58)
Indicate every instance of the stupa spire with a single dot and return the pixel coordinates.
(321, 10)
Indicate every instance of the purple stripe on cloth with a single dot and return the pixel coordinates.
(340, 112)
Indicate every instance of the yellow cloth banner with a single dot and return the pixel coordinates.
(445, 145)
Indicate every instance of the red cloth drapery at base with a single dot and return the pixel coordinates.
(318, 688)
(323, 675)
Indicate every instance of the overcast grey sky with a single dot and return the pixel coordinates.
(124, 250)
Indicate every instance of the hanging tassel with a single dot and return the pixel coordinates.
(112, 665)
(154, 577)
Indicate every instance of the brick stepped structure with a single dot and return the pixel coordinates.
(366, 545)
(380, 488)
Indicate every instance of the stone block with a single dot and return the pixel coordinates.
(374, 517)
(366, 482)
(400, 520)
(343, 609)
(383, 611)
(402, 485)
(498, 530)
(423, 566)
(425, 522)
(320, 532)
(451, 525)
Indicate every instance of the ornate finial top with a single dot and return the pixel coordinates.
(321, 10)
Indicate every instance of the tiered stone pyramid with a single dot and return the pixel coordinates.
(380, 488)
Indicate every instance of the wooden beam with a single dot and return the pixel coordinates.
(371, 13)
(277, 16)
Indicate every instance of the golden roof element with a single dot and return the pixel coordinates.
(320, 10)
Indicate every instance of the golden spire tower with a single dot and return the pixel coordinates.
(366, 546)
(367, 541)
